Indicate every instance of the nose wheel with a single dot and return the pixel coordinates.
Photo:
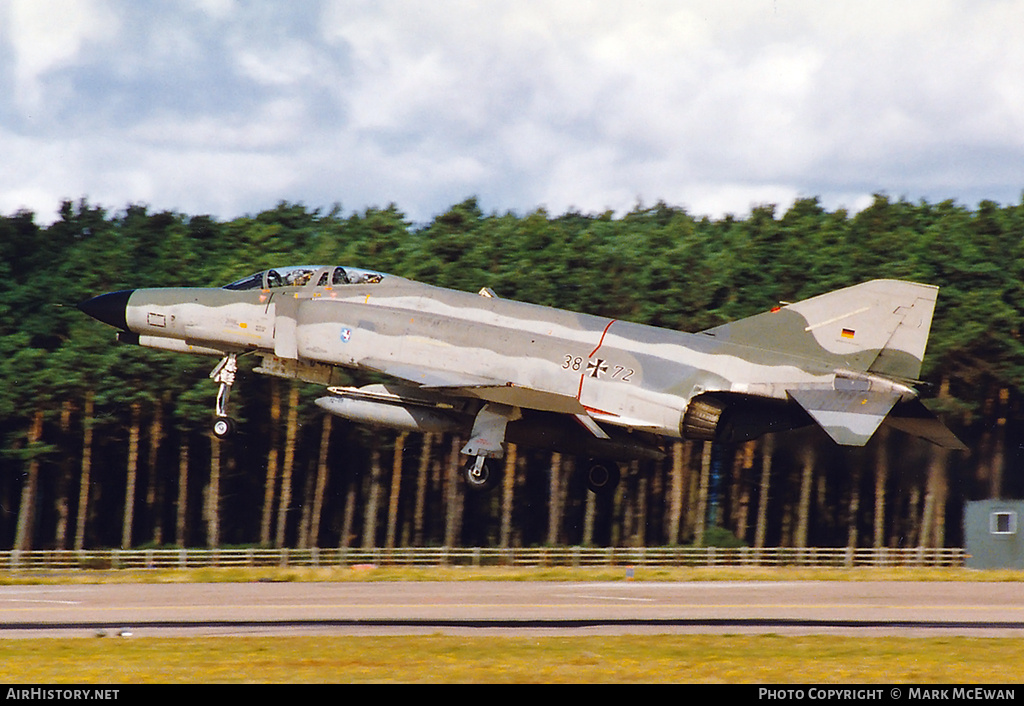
(223, 427)
(224, 374)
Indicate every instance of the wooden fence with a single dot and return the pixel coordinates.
(819, 557)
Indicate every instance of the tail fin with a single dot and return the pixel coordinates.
(879, 327)
(874, 336)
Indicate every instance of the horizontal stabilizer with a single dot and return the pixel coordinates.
(916, 419)
(850, 417)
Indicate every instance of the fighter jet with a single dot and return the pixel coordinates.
(500, 371)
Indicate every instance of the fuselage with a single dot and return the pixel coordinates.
(619, 372)
(487, 366)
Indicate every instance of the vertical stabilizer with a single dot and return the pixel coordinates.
(879, 326)
(903, 353)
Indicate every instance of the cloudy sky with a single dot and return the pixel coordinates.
(226, 107)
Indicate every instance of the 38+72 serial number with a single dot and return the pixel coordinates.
(597, 368)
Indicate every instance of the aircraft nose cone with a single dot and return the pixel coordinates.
(109, 308)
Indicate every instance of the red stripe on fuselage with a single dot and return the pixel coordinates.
(579, 392)
(603, 334)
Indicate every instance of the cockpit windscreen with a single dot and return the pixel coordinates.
(303, 275)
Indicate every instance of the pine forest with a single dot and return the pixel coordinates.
(109, 445)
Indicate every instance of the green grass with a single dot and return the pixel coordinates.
(449, 659)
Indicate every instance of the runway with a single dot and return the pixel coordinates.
(869, 608)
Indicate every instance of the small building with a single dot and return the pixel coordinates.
(993, 534)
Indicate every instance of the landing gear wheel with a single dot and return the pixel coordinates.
(480, 475)
(224, 375)
(223, 427)
(602, 477)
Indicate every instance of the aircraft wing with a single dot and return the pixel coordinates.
(424, 376)
(453, 382)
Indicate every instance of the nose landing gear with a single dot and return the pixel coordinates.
(224, 374)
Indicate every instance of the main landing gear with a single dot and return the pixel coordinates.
(602, 476)
(486, 447)
(480, 473)
(224, 426)
(486, 444)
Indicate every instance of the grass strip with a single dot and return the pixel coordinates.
(768, 658)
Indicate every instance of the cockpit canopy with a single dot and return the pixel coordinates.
(306, 275)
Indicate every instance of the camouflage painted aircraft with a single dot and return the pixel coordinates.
(500, 371)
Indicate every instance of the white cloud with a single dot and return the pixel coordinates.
(276, 125)
(49, 34)
(708, 104)
(217, 9)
